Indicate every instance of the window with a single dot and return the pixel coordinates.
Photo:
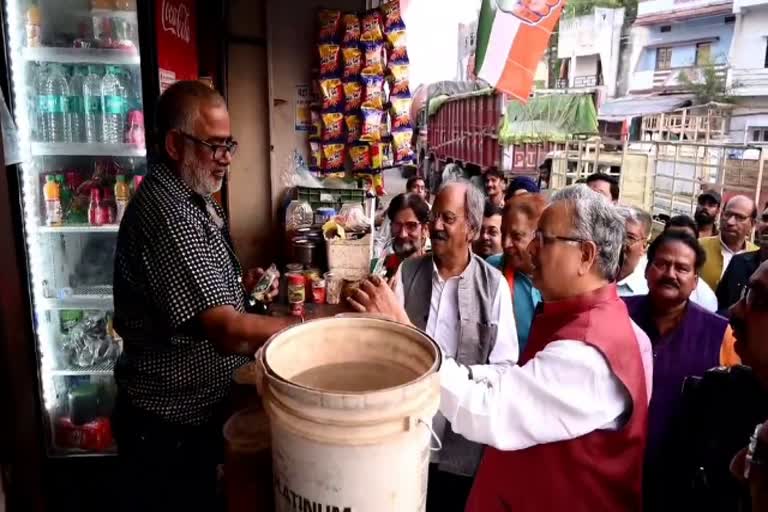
(703, 54)
(730, 19)
(663, 58)
(665, 28)
(760, 134)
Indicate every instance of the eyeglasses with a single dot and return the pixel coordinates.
(629, 241)
(754, 299)
(728, 215)
(448, 218)
(410, 227)
(547, 239)
(218, 150)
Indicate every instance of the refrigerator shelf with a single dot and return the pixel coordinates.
(108, 13)
(81, 56)
(99, 369)
(81, 228)
(88, 302)
(84, 149)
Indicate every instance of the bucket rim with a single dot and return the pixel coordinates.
(270, 373)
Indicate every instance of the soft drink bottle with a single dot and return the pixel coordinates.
(92, 105)
(76, 104)
(95, 213)
(66, 197)
(122, 196)
(108, 206)
(52, 196)
(114, 100)
(78, 211)
(53, 106)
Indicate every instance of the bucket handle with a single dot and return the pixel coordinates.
(428, 424)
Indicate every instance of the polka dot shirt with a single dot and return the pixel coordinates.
(174, 260)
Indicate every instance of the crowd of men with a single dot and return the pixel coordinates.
(620, 347)
(587, 367)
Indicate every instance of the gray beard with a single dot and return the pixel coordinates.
(199, 179)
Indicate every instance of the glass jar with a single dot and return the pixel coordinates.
(299, 214)
(333, 284)
(352, 216)
(303, 251)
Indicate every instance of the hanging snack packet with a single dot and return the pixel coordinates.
(400, 112)
(384, 125)
(330, 59)
(398, 55)
(353, 61)
(377, 160)
(333, 126)
(401, 145)
(353, 95)
(329, 22)
(317, 125)
(360, 156)
(371, 131)
(354, 124)
(392, 18)
(397, 39)
(378, 184)
(398, 80)
(373, 91)
(350, 28)
(370, 27)
(373, 61)
(332, 93)
(333, 154)
(315, 156)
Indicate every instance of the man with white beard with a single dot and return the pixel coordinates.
(179, 294)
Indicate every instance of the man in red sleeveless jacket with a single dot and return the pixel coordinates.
(566, 430)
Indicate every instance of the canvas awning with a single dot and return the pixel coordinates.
(635, 106)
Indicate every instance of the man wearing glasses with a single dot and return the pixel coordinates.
(631, 278)
(179, 307)
(566, 429)
(409, 219)
(686, 341)
(466, 306)
(736, 224)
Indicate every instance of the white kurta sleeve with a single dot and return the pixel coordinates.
(567, 390)
(505, 350)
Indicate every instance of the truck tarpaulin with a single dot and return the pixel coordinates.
(548, 118)
(511, 38)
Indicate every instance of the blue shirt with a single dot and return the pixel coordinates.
(525, 298)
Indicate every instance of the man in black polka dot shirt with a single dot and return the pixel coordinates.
(179, 307)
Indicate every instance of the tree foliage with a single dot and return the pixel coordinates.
(708, 84)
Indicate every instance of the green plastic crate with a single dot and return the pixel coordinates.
(329, 197)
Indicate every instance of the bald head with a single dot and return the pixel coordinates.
(737, 221)
(179, 106)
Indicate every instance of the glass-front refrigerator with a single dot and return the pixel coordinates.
(77, 102)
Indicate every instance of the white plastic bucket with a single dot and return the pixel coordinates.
(356, 436)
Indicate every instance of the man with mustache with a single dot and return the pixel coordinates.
(179, 295)
(465, 305)
(409, 217)
(736, 225)
(495, 185)
(489, 242)
(686, 341)
(566, 430)
(742, 266)
(707, 210)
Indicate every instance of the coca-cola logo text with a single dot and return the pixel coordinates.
(175, 19)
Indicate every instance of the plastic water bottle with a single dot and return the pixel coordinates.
(36, 118)
(114, 103)
(76, 106)
(92, 105)
(53, 106)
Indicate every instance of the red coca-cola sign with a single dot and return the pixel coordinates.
(175, 27)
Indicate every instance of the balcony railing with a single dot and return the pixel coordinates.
(579, 82)
(749, 82)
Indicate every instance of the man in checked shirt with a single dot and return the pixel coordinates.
(179, 307)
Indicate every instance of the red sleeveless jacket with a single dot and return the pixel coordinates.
(599, 471)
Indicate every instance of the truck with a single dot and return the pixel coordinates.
(458, 123)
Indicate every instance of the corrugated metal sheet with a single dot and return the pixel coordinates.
(635, 106)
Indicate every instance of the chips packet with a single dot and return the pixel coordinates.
(398, 55)
(354, 124)
(400, 112)
(360, 156)
(333, 126)
(328, 24)
(330, 59)
(371, 131)
(370, 26)
(373, 58)
(333, 155)
(397, 77)
(397, 39)
(350, 28)
(353, 95)
(392, 18)
(373, 91)
(352, 56)
(315, 156)
(317, 125)
(332, 93)
(401, 145)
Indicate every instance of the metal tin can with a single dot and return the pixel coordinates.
(294, 267)
(296, 288)
(318, 291)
